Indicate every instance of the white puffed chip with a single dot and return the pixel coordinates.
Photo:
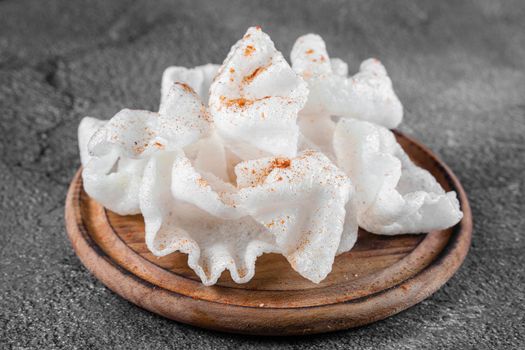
(129, 132)
(110, 179)
(393, 195)
(182, 119)
(295, 207)
(310, 58)
(368, 95)
(117, 151)
(255, 99)
(213, 244)
(302, 202)
(114, 181)
(199, 78)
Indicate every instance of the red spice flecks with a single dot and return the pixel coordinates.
(281, 163)
(205, 114)
(305, 242)
(249, 50)
(260, 176)
(139, 148)
(240, 102)
(201, 182)
(249, 78)
(258, 27)
(309, 51)
(158, 145)
(232, 70)
(308, 153)
(186, 87)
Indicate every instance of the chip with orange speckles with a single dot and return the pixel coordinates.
(400, 197)
(116, 152)
(302, 202)
(255, 99)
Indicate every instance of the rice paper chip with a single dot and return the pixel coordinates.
(199, 78)
(368, 95)
(112, 181)
(213, 244)
(295, 207)
(392, 194)
(255, 99)
(181, 120)
(129, 133)
(301, 201)
(117, 152)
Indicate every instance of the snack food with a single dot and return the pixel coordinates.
(259, 166)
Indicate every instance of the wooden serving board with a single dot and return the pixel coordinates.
(379, 277)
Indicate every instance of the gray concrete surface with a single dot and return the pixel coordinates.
(458, 67)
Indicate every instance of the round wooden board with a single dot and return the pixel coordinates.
(379, 277)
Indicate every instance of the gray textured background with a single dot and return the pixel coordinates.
(458, 69)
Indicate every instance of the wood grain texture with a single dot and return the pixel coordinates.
(379, 277)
